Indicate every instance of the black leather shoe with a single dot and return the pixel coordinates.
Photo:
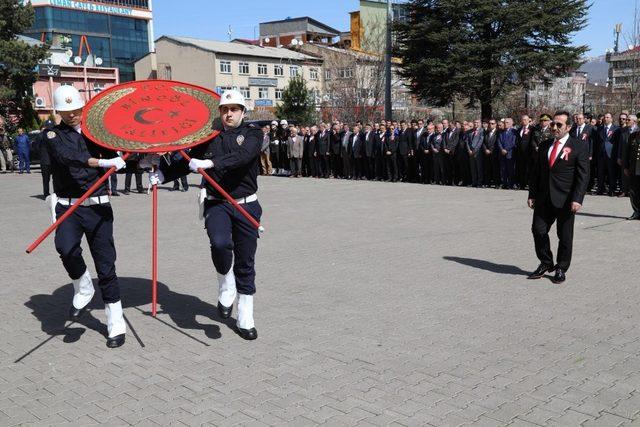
(116, 341)
(634, 216)
(76, 313)
(540, 271)
(225, 312)
(248, 334)
(559, 276)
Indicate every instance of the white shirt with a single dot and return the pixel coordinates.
(78, 129)
(563, 141)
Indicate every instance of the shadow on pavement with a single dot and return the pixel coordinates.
(600, 215)
(52, 311)
(489, 266)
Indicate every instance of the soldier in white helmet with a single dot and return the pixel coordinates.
(232, 159)
(76, 164)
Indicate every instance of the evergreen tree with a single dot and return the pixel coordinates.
(297, 102)
(17, 62)
(479, 49)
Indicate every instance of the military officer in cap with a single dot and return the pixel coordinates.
(76, 164)
(233, 159)
(631, 169)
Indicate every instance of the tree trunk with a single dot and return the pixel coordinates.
(486, 108)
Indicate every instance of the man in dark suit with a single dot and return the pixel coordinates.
(507, 145)
(437, 147)
(356, 153)
(492, 159)
(557, 188)
(335, 139)
(322, 152)
(451, 138)
(389, 145)
(405, 144)
(369, 152)
(309, 149)
(625, 133)
(631, 168)
(524, 150)
(425, 155)
(474, 147)
(608, 137)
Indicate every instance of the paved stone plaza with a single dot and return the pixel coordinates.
(377, 304)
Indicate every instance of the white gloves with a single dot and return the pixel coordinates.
(156, 177)
(116, 162)
(149, 161)
(196, 164)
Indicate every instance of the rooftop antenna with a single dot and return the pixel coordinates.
(230, 31)
(616, 32)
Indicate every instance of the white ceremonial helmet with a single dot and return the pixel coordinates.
(67, 98)
(274, 123)
(283, 123)
(231, 97)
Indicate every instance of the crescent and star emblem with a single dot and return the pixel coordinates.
(139, 116)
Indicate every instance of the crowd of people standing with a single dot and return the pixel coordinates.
(480, 153)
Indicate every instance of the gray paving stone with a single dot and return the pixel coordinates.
(370, 313)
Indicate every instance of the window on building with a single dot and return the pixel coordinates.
(263, 93)
(225, 67)
(164, 71)
(223, 88)
(294, 71)
(262, 69)
(278, 70)
(327, 74)
(243, 67)
(345, 73)
(313, 73)
(246, 92)
(279, 94)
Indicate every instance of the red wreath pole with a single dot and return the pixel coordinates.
(72, 209)
(226, 195)
(154, 252)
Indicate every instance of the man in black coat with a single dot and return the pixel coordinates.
(491, 159)
(322, 152)
(405, 144)
(335, 139)
(369, 152)
(557, 188)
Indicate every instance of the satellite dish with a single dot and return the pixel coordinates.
(77, 60)
(98, 61)
(300, 43)
(294, 42)
(267, 39)
(69, 53)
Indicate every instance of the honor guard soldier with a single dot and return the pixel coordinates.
(76, 164)
(232, 158)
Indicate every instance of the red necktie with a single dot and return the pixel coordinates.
(554, 153)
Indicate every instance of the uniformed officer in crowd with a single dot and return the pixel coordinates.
(232, 159)
(76, 164)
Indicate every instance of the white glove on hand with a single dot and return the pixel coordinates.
(196, 164)
(116, 162)
(156, 177)
(149, 161)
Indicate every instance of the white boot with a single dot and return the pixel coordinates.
(83, 290)
(227, 288)
(115, 319)
(245, 312)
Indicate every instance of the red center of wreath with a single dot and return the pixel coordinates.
(157, 114)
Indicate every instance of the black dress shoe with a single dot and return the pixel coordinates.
(542, 268)
(125, 192)
(116, 341)
(76, 313)
(248, 334)
(559, 276)
(114, 194)
(225, 312)
(634, 216)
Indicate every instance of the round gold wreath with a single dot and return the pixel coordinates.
(95, 120)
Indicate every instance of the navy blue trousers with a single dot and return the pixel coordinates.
(96, 223)
(233, 240)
